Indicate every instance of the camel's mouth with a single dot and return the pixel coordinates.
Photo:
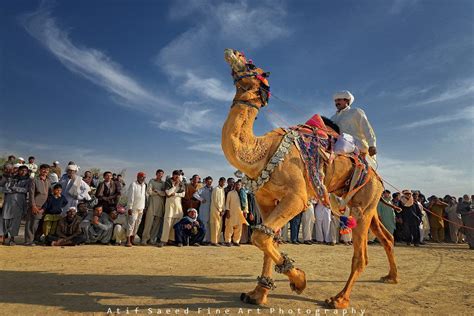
(235, 59)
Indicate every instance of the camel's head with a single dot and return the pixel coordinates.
(247, 76)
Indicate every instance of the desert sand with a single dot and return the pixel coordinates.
(95, 279)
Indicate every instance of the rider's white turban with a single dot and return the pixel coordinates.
(344, 95)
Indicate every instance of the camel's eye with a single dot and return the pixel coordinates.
(251, 67)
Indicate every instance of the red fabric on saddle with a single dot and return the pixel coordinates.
(317, 121)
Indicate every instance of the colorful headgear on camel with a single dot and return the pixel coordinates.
(344, 95)
(317, 121)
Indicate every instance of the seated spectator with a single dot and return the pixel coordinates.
(100, 227)
(52, 210)
(120, 222)
(69, 231)
(189, 230)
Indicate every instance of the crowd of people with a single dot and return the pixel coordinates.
(69, 209)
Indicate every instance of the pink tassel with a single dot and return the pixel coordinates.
(351, 222)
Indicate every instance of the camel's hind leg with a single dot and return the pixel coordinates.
(387, 241)
(359, 262)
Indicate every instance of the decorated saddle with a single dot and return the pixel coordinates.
(315, 143)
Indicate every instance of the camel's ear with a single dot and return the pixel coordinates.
(266, 74)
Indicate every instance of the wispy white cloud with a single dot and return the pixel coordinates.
(192, 119)
(398, 6)
(208, 87)
(428, 176)
(454, 92)
(91, 63)
(205, 146)
(464, 114)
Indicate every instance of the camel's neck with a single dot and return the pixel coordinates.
(241, 147)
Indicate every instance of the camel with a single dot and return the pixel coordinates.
(287, 183)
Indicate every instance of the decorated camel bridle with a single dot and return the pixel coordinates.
(263, 91)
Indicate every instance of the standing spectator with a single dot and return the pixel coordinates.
(14, 205)
(385, 210)
(120, 180)
(204, 196)
(96, 180)
(100, 227)
(11, 160)
(411, 216)
(399, 234)
(69, 232)
(465, 208)
(230, 186)
(454, 218)
(295, 223)
(56, 169)
(108, 193)
(217, 211)
(38, 194)
(74, 188)
(136, 204)
(235, 209)
(189, 230)
(175, 191)
(4, 179)
(87, 178)
(424, 225)
(323, 224)
(436, 206)
(245, 237)
(53, 209)
(307, 222)
(32, 167)
(189, 201)
(156, 209)
(21, 161)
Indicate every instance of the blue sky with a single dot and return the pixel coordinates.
(141, 85)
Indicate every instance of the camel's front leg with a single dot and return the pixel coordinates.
(359, 262)
(263, 235)
(259, 295)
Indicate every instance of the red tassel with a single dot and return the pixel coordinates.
(351, 222)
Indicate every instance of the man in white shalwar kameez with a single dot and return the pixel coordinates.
(74, 188)
(353, 121)
(217, 211)
(235, 215)
(175, 190)
(307, 223)
(323, 224)
(136, 196)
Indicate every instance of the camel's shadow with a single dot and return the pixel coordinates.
(98, 292)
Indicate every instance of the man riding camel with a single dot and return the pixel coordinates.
(353, 121)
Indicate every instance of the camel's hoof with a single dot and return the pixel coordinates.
(337, 303)
(299, 286)
(247, 299)
(389, 279)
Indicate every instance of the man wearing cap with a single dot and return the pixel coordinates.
(353, 121)
(204, 195)
(175, 191)
(21, 160)
(74, 188)
(69, 232)
(189, 230)
(136, 196)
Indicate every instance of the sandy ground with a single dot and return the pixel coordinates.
(91, 279)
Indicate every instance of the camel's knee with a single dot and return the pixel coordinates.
(260, 239)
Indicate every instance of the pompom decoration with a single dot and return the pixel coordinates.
(346, 224)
